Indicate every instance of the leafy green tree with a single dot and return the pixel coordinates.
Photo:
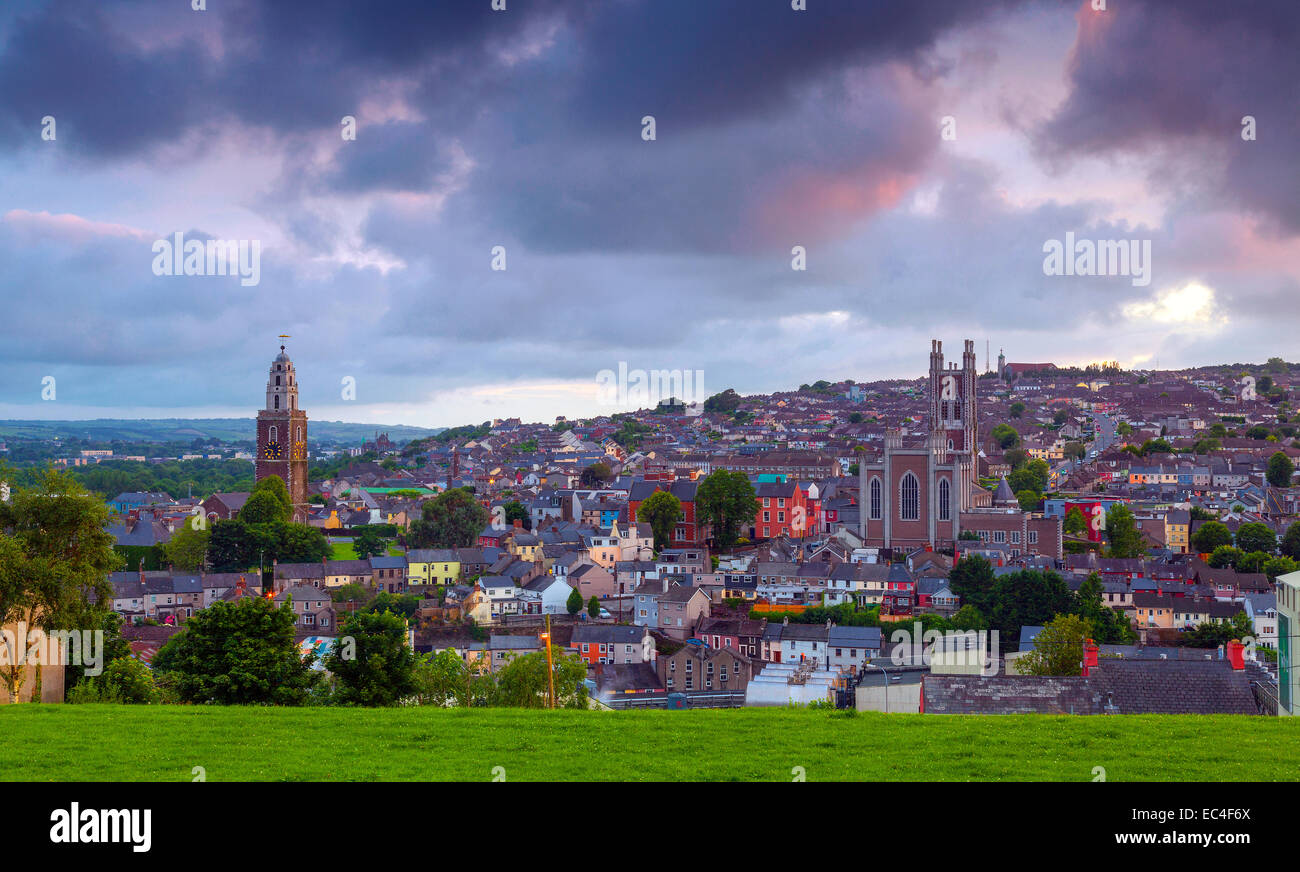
(54, 563)
(1027, 598)
(727, 401)
(1058, 649)
(441, 679)
(522, 683)
(1256, 537)
(574, 603)
(1280, 469)
(378, 667)
(969, 618)
(1029, 499)
(453, 519)
(1108, 625)
(662, 511)
(239, 653)
(129, 680)
(1291, 541)
(1225, 556)
(593, 607)
(269, 502)
(187, 549)
(1017, 409)
(1006, 436)
(368, 543)
(1212, 635)
(1075, 525)
(230, 546)
(1251, 561)
(515, 511)
(1034, 476)
(971, 579)
(1209, 536)
(403, 604)
(298, 543)
(726, 500)
(1122, 534)
(597, 473)
(1275, 566)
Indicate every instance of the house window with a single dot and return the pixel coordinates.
(909, 502)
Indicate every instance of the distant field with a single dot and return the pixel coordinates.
(165, 743)
(342, 551)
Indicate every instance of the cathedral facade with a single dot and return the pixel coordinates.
(282, 434)
(914, 494)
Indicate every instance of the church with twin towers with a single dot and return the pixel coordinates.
(923, 489)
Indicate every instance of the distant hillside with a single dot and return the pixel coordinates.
(189, 429)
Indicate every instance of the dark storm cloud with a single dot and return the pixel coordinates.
(1183, 73)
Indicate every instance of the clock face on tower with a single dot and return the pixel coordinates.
(300, 451)
(273, 450)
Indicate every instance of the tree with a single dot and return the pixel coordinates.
(239, 653)
(188, 548)
(1256, 537)
(1006, 436)
(1108, 625)
(54, 563)
(1291, 541)
(727, 401)
(1122, 533)
(971, 579)
(1017, 409)
(1029, 499)
(726, 501)
(969, 618)
(368, 543)
(1209, 536)
(230, 546)
(515, 511)
(1280, 469)
(377, 668)
(593, 607)
(596, 474)
(1075, 451)
(441, 679)
(662, 511)
(1027, 598)
(268, 502)
(1034, 476)
(453, 519)
(1075, 525)
(298, 543)
(1225, 555)
(1219, 633)
(1058, 649)
(574, 603)
(1275, 566)
(523, 682)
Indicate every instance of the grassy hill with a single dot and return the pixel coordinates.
(165, 743)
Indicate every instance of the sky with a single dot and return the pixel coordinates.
(915, 158)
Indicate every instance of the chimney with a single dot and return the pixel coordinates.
(1236, 654)
(142, 570)
(1089, 656)
(241, 585)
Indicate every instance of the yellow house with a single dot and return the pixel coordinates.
(525, 546)
(1177, 523)
(432, 566)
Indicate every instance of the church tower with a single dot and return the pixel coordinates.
(953, 413)
(282, 434)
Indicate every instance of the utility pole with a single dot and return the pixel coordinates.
(550, 670)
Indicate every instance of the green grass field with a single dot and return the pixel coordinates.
(165, 743)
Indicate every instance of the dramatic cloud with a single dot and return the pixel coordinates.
(775, 129)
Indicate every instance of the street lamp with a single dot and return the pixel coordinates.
(886, 674)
